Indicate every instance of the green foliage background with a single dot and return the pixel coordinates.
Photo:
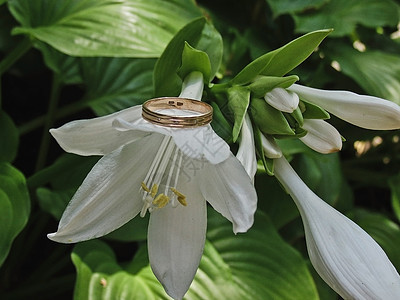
(62, 60)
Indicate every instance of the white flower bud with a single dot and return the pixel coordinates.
(363, 111)
(282, 100)
(321, 136)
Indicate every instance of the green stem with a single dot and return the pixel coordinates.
(61, 113)
(14, 55)
(48, 121)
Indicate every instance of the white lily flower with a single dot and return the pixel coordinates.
(246, 154)
(321, 136)
(342, 253)
(169, 172)
(282, 100)
(270, 147)
(364, 111)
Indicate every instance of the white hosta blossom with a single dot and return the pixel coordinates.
(363, 111)
(270, 147)
(246, 154)
(321, 136)
(168, 172)
(282, 99)
(342, 253)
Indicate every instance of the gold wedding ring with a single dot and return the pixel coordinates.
(151, 107)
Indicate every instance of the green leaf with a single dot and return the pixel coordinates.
(394, 184)
(103, 27)
(67, 172)
(113, 84)
(220, 125)
(238, 102)
(344, 15)
(99, 276)
(294, 53)
(312, 111)
(66, 67)
(268, 164)
(200, 35)
(273, 200)
(282, 60)
(194, 60)
(9, 138)
(134, 230)
(14, 206)
(265, 84)
(376, 72)
(297, 115)
(268, 119)
(280, 7)
(261, 264)
(384, 231)
(54, 202)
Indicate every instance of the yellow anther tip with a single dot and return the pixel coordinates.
(182, 200)
(161, 200)
(144, 187)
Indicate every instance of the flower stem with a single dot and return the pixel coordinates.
(49, 118)
(192, 86)
(14, 55)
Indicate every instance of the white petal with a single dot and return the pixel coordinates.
(176, 240)
(192, 86)
(270, 147)
(343, 254)
(282, 100)
(228, 188)
(246, 153)
(96, 136)
(321, 136)
(109, 196)
(363, 111)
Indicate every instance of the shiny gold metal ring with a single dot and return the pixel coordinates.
(151, 107)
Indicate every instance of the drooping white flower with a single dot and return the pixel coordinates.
(282, 99)
(321, 136)
(169, 172)
(364, 111)
(342, 253)
(246, 154)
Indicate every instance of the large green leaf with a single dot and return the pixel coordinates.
(280, 7)
(103, 27)
(262, 265)
(200, 35)
(99, 276)
(9, 138)
(113, 84)
(14, 206)
(384, 231)
(344, 15)
(376, 72)
(255, 265)
(66, 67)
(394, 184)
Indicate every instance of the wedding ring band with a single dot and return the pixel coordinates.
(151, 107)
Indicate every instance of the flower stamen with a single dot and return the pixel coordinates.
(181, 197)
(161, 200)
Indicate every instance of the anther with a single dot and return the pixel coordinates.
(181, 197)
(161, 200)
